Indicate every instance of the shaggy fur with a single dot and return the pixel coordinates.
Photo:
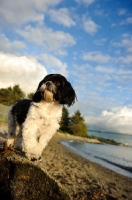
(31, 124)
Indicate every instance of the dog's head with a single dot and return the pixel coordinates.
(55, 87)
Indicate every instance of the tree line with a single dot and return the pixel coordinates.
(74, 125)
(11, 94)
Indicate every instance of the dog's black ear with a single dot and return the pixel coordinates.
(37, 97)
(68, 96)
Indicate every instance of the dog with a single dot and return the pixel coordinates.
(32, 123)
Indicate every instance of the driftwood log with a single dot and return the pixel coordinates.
(21, 179)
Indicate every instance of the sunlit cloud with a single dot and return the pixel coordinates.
(53, 64)
(26, 11)
(21, 70)
(115, 120)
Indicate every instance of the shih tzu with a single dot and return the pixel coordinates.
(32, 123)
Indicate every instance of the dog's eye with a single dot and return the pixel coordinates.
(57, 84)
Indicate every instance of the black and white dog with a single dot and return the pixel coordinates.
(31, 124)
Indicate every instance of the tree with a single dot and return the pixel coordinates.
(76, 117)
(10, 95)
(77, 125)
(64, 123)
(30, 95)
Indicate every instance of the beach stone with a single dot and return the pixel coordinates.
(20, 179)
(96, 181)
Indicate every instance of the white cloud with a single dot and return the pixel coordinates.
(100, 12)
(26, 11)
(10, 46)
(127, 21)
(61, 52)
(54, 65)
(102, 80)
(86, 2)
(46, 37)
(113, 25)
(26, 72)
(125, 59)
(123, 71)
(43, 5)
(116, 120)
(126, 43)
(100, 42)
(107, 69)
(90, 26)
(62, 16)
(96, 57)
(122, 11)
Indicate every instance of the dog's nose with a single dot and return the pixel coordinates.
(48, 83)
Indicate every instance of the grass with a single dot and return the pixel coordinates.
(3, 121)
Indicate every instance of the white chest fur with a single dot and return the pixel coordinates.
(45, 112)
(41, 124)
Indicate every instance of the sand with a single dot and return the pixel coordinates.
(83, 179)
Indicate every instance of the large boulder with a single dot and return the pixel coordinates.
(20, 179)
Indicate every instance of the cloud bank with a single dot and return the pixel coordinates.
(27, 72)
(116, 120)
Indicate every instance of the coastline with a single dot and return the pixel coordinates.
(83, 179)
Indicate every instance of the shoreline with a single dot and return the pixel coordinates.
(83, 179)
(118, 168)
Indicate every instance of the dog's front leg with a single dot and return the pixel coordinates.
(31, 146)
(12, 125)
(47, 133)
(18, 138)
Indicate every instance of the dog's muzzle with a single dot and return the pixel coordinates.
(48, 90)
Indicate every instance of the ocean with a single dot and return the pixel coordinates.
(116, 158)
(124, 139)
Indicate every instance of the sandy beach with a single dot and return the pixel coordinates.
(83, 180)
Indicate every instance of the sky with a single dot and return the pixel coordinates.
(87, 41)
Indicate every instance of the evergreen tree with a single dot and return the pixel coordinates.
(77, 125)
(76, 117)
(30, 95)
(10, 95)
(64, 123)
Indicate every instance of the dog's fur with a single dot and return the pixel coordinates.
(31, 124)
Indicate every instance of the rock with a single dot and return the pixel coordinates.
(20, 179)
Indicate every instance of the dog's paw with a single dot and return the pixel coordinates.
(36, 160)
(33, 157)
(10, 142)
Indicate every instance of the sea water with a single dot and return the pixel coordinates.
(116, 158)
(124, 139)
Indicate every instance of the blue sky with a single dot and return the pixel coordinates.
(88, 41)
